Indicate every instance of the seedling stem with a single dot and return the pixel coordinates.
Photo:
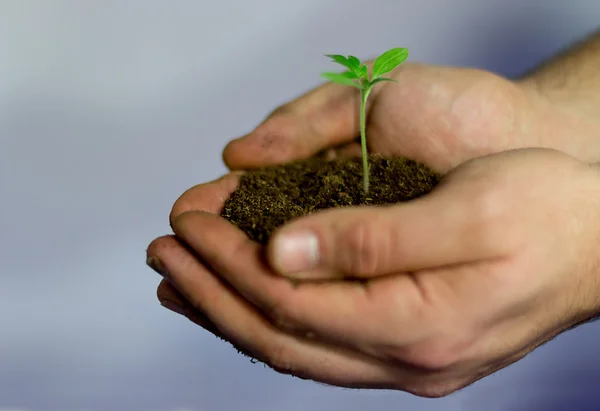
(357, 76)
(363, 137)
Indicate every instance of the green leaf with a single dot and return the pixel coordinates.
(340, 79)
(377, 80)
(389, 61)
(354, 61)
(363, 72)
(351, 75)
(338, 58)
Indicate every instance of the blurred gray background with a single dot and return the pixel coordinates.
(111, 109)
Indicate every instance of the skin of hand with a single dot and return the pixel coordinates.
(455, 285)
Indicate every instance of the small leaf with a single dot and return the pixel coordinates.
(340, 79)
(351, 75)
(355, 62)
(363, 72)
(389, 61)
(338, 58)
(377, 80)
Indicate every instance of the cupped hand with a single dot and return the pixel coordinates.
(441, 116)
(455, 285)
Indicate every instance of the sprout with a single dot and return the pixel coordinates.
(357, 76)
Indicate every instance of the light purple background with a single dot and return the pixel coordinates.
(110, 109)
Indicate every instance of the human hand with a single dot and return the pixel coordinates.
(498, 259)
(439, 116)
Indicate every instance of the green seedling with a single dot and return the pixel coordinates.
(357, 75)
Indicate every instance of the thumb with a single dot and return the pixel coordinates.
(322, 118)
(361, 242)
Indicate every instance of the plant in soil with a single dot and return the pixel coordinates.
(271, 196)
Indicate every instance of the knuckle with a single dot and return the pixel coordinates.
(487, 212)
(280, 358)
(363, 250)
(430, 360)
(181, 205)
(280, 110)
(279, 313)
(433, 389)
(486, 205)
(276, 135)
(435, 355)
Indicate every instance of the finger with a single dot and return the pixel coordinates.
(324, 117)
(449, 226)
(208, 197)
(341, 312)
(172, 300)
(168, 296)
(241, 324)
(344, 151)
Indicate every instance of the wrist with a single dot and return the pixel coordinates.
(562, 126)
(568, 100)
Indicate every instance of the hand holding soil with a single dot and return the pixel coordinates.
(498, 259)
(471, 250)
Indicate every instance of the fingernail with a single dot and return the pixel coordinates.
(296, 252)
(155, 263)
(172, 306)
